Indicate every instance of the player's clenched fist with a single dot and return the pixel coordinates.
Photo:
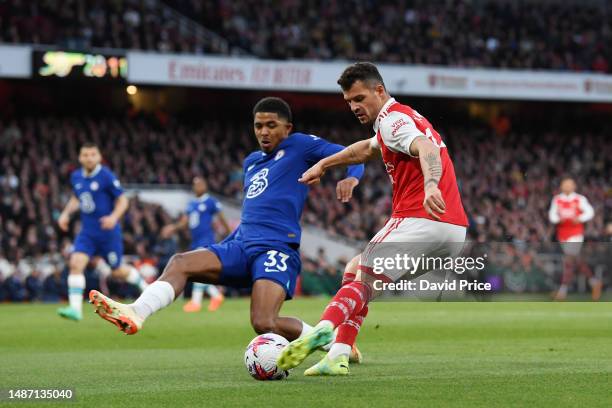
(433, 202)
(312, 175)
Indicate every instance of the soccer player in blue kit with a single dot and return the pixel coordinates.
(98, 195)
(198, 217)
(262, 253)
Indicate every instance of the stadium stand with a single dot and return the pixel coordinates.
(131, 24)
(509, 202)
(458, 33)
(507, 176)
(506, 203)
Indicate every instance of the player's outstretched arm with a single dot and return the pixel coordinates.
(553, 212)
(224, 223)
(356, 153)
(431, 165)
(587, 210)
(121, 206)
(71, 207)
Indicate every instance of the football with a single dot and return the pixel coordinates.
(261, 354)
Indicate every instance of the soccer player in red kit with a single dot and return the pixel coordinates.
(428, 219)
(569, 211)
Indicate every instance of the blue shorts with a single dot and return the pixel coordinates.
(109, 246)
(245, 262)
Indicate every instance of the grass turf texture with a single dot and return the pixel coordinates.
(416, 354)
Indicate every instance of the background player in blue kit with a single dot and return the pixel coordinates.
(199, 216)
(98, 195)
(262, 252)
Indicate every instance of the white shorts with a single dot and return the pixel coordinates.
(402, 240)
(572, 245)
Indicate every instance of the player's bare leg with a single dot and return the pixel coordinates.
(76, 286)
(267, 298)
(595, 283)
(569, 263)
(130, 274)
(200, 265)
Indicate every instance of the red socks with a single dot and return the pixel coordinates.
(348, 331)
(350, 300)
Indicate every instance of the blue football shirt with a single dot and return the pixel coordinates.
(201, 212)
(97, 193)
(273, 197)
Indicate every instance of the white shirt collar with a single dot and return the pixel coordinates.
(390, 102)
(95, 171)
(203, 197)
(568, 196)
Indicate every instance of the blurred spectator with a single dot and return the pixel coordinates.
(34, 286)
(319, 277)
(78, 24)
(507, 202)
(506, 181)
(14, 288)
(54, 287)
(568, 35)
(557, 35)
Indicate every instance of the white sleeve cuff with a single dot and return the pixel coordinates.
(374, 143)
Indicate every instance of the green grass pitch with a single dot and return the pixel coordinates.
(416, 354)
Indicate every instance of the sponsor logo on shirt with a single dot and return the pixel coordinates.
(259, 183)
(397, 125)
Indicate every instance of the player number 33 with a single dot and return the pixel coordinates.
(276, 262)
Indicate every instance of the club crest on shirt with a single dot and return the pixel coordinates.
(94, 185)
(202, 207)
(279, 155)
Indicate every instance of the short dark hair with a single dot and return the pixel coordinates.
(272, 104)
(89, 145)
(360, 71)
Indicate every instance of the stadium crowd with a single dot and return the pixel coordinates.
(507, 182)
(558, 35)
(79, 24)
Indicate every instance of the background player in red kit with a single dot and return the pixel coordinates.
(569, 211)
(428, 218)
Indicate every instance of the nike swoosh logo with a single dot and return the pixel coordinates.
(271, 270)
